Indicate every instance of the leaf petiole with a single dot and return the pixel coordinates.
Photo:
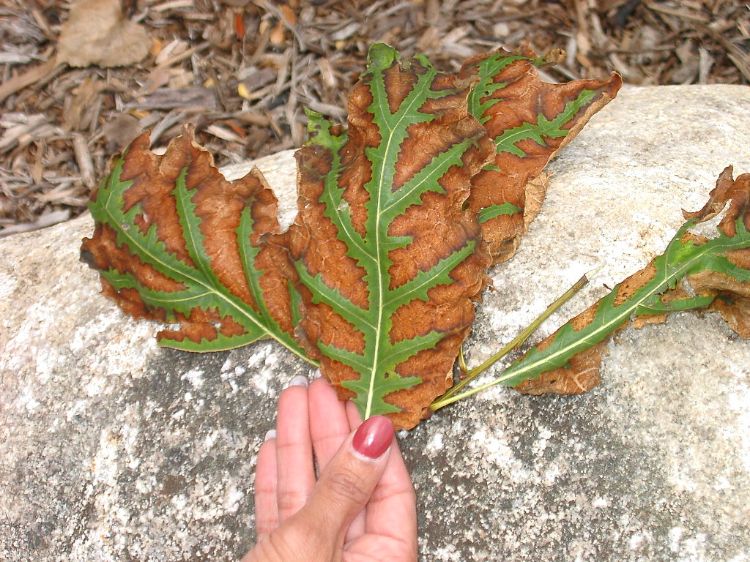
(463, 367)
(507, 348)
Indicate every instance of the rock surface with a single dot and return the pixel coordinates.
(114, 449)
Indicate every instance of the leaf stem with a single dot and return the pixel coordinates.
(462, 362)
(510, 346)
(447, 400)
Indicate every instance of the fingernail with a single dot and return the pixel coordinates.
(299, 380)
(270, 434)
(373, 437)
(316, 374)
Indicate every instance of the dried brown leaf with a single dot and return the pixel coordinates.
(97, 33)
(177, 242)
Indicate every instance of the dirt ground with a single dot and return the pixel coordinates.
(77, 87)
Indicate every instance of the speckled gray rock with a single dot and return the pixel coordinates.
(113, 449)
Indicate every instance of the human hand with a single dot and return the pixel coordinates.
(363, 505)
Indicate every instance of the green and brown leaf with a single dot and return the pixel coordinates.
(389, 258)
(176, 242)
(377, 278)
(529, 121)
(693, 273)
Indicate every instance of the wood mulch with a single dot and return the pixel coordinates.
(243, 70)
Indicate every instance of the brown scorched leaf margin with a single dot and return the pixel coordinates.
(176, 242)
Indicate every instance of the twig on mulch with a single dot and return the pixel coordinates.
(242, 71)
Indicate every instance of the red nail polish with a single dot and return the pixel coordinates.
(373, 437)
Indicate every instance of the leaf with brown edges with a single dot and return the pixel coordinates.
(379, 273)
(389, 257)
(694, 273)
(176, 242)
(529, 121)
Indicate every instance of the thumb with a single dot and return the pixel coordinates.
(346, 484)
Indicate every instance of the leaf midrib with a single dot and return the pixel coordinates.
(210, 289)
(378, 261)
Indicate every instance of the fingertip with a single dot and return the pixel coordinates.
(298, 380)
(320, 385)
(329, 425)
(373, 437)
(292, 402)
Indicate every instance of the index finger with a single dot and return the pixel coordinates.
(294, 456)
